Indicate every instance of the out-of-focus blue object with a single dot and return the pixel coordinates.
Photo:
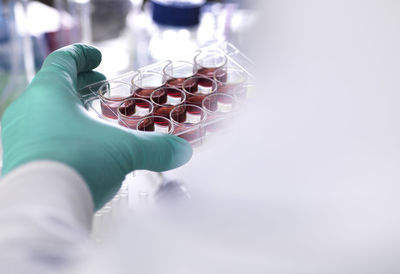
(29, 31)
(4, 36)
(176, 13)
(5, 40)
(16, 60)
(170, 29)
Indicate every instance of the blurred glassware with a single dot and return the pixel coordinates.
(16, 56)
(160, 32)
(29, 31)
(165, 29)
(70, 23)
(108, 18)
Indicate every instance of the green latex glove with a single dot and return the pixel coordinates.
(49, 122)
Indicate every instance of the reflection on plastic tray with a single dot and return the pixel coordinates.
(193, 116)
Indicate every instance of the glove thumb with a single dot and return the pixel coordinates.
(154, 151)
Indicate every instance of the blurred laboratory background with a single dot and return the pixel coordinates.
(130, 33)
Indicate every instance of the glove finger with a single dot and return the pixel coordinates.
(154, 151)
(75, 58)
(88, 78)
(60, 69)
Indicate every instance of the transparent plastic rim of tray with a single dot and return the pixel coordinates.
(234, 56)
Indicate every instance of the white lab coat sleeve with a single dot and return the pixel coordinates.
(45, 218)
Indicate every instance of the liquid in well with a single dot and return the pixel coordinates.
(196, 100)
(155, 124)
(166, 99)
(208, 72)
(145, 93)
(109, 107)
(132, 111)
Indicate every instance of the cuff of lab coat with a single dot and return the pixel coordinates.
(47, 184)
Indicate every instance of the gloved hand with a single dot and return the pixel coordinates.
(49, 122)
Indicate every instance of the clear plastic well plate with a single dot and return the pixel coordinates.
(196, 95)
